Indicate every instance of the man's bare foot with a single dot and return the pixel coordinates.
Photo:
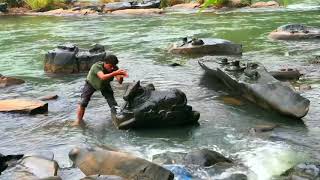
(78, 123)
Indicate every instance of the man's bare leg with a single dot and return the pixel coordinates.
(80, 113)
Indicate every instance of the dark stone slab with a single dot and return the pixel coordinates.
(3, 7)
(206, 46)
(286, 74)
(147, 107)
(254, 83)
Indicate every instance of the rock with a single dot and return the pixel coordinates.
(179, 171)
(3, 7)
(104, 162)
(190, 5)
(115, 6)
(286, 74)
(174, 64)
(263, 128)
(32, 167)
(23, 106)
(138, 11)
(238, 3)
(303, 87)
(48, 97)
(68, 12)
(207, 46)
(205, 157)
(236, 176)
(146, 107)
(102, 177)
(169, 158)
(272, 4)
(70, 59)
(9, 81)
(305, 171)
(6, 161)
(231, 100)
(295, 32)
(255, 84)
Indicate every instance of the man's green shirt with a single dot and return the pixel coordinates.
(94, 80)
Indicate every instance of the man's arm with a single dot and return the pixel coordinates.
(103, 76)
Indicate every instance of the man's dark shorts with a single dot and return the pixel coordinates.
(88, 90)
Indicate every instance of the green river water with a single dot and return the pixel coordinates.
(140, 42)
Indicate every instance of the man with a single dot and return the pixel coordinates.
(99, 78)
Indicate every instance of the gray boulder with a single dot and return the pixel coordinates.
(3, 7)
(206, 46)
(295, 32)
(70, 59)
(305, 171)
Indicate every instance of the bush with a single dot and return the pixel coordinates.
(13, 3)
(217, 3)
(40, 5)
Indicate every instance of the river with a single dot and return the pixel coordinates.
(140, 43)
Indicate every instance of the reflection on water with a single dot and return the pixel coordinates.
(140, 43)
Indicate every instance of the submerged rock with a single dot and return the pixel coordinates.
(147, 107)
(254, 83)
(202, 157)
(206, 46)
(104, 162)
(23, 106)
(70, 59)
(295, 32)
(286, 74)
(305, 171)
(102, 177)
(138, 11)
(48, 97)
(9, 81)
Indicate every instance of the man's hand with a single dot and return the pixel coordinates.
(121, 72)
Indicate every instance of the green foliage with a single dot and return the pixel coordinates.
(284, 2)
(39, 4)
(246, 2)
(13, 3)
(217, 3)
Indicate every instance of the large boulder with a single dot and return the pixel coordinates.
(286, 74)
(305, 171)
(7, 160)
(254, 83)
(138, 11)
(104, 162)
(23, 106)
(206, 46)
(9, 81)
(147, 107)
(200, 157)
(71, 59)
(295, 32)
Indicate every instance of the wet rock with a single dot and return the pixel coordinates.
(138, 11)
(3, 7)
(255, 84)
(238, 3)
(68, 12)
(102, 177)
(9, 81)
(231, 100)
(206, 46)
(48, 97)
(32, 167)
(286, 74)
(23, 106)
(7, 160)
(272, 4)
(295, 32)
(179, 171)
(70, 59)
(115, 6)
(190, 5)
(236, 176)
(104, 162)
(205, 157)
(169, 158)
(305, 171)
(146, 107)
(263, 128)
(303, 87)
(175, 64)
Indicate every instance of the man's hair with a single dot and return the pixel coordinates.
(111, 59)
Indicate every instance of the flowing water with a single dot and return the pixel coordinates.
(140, 42)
